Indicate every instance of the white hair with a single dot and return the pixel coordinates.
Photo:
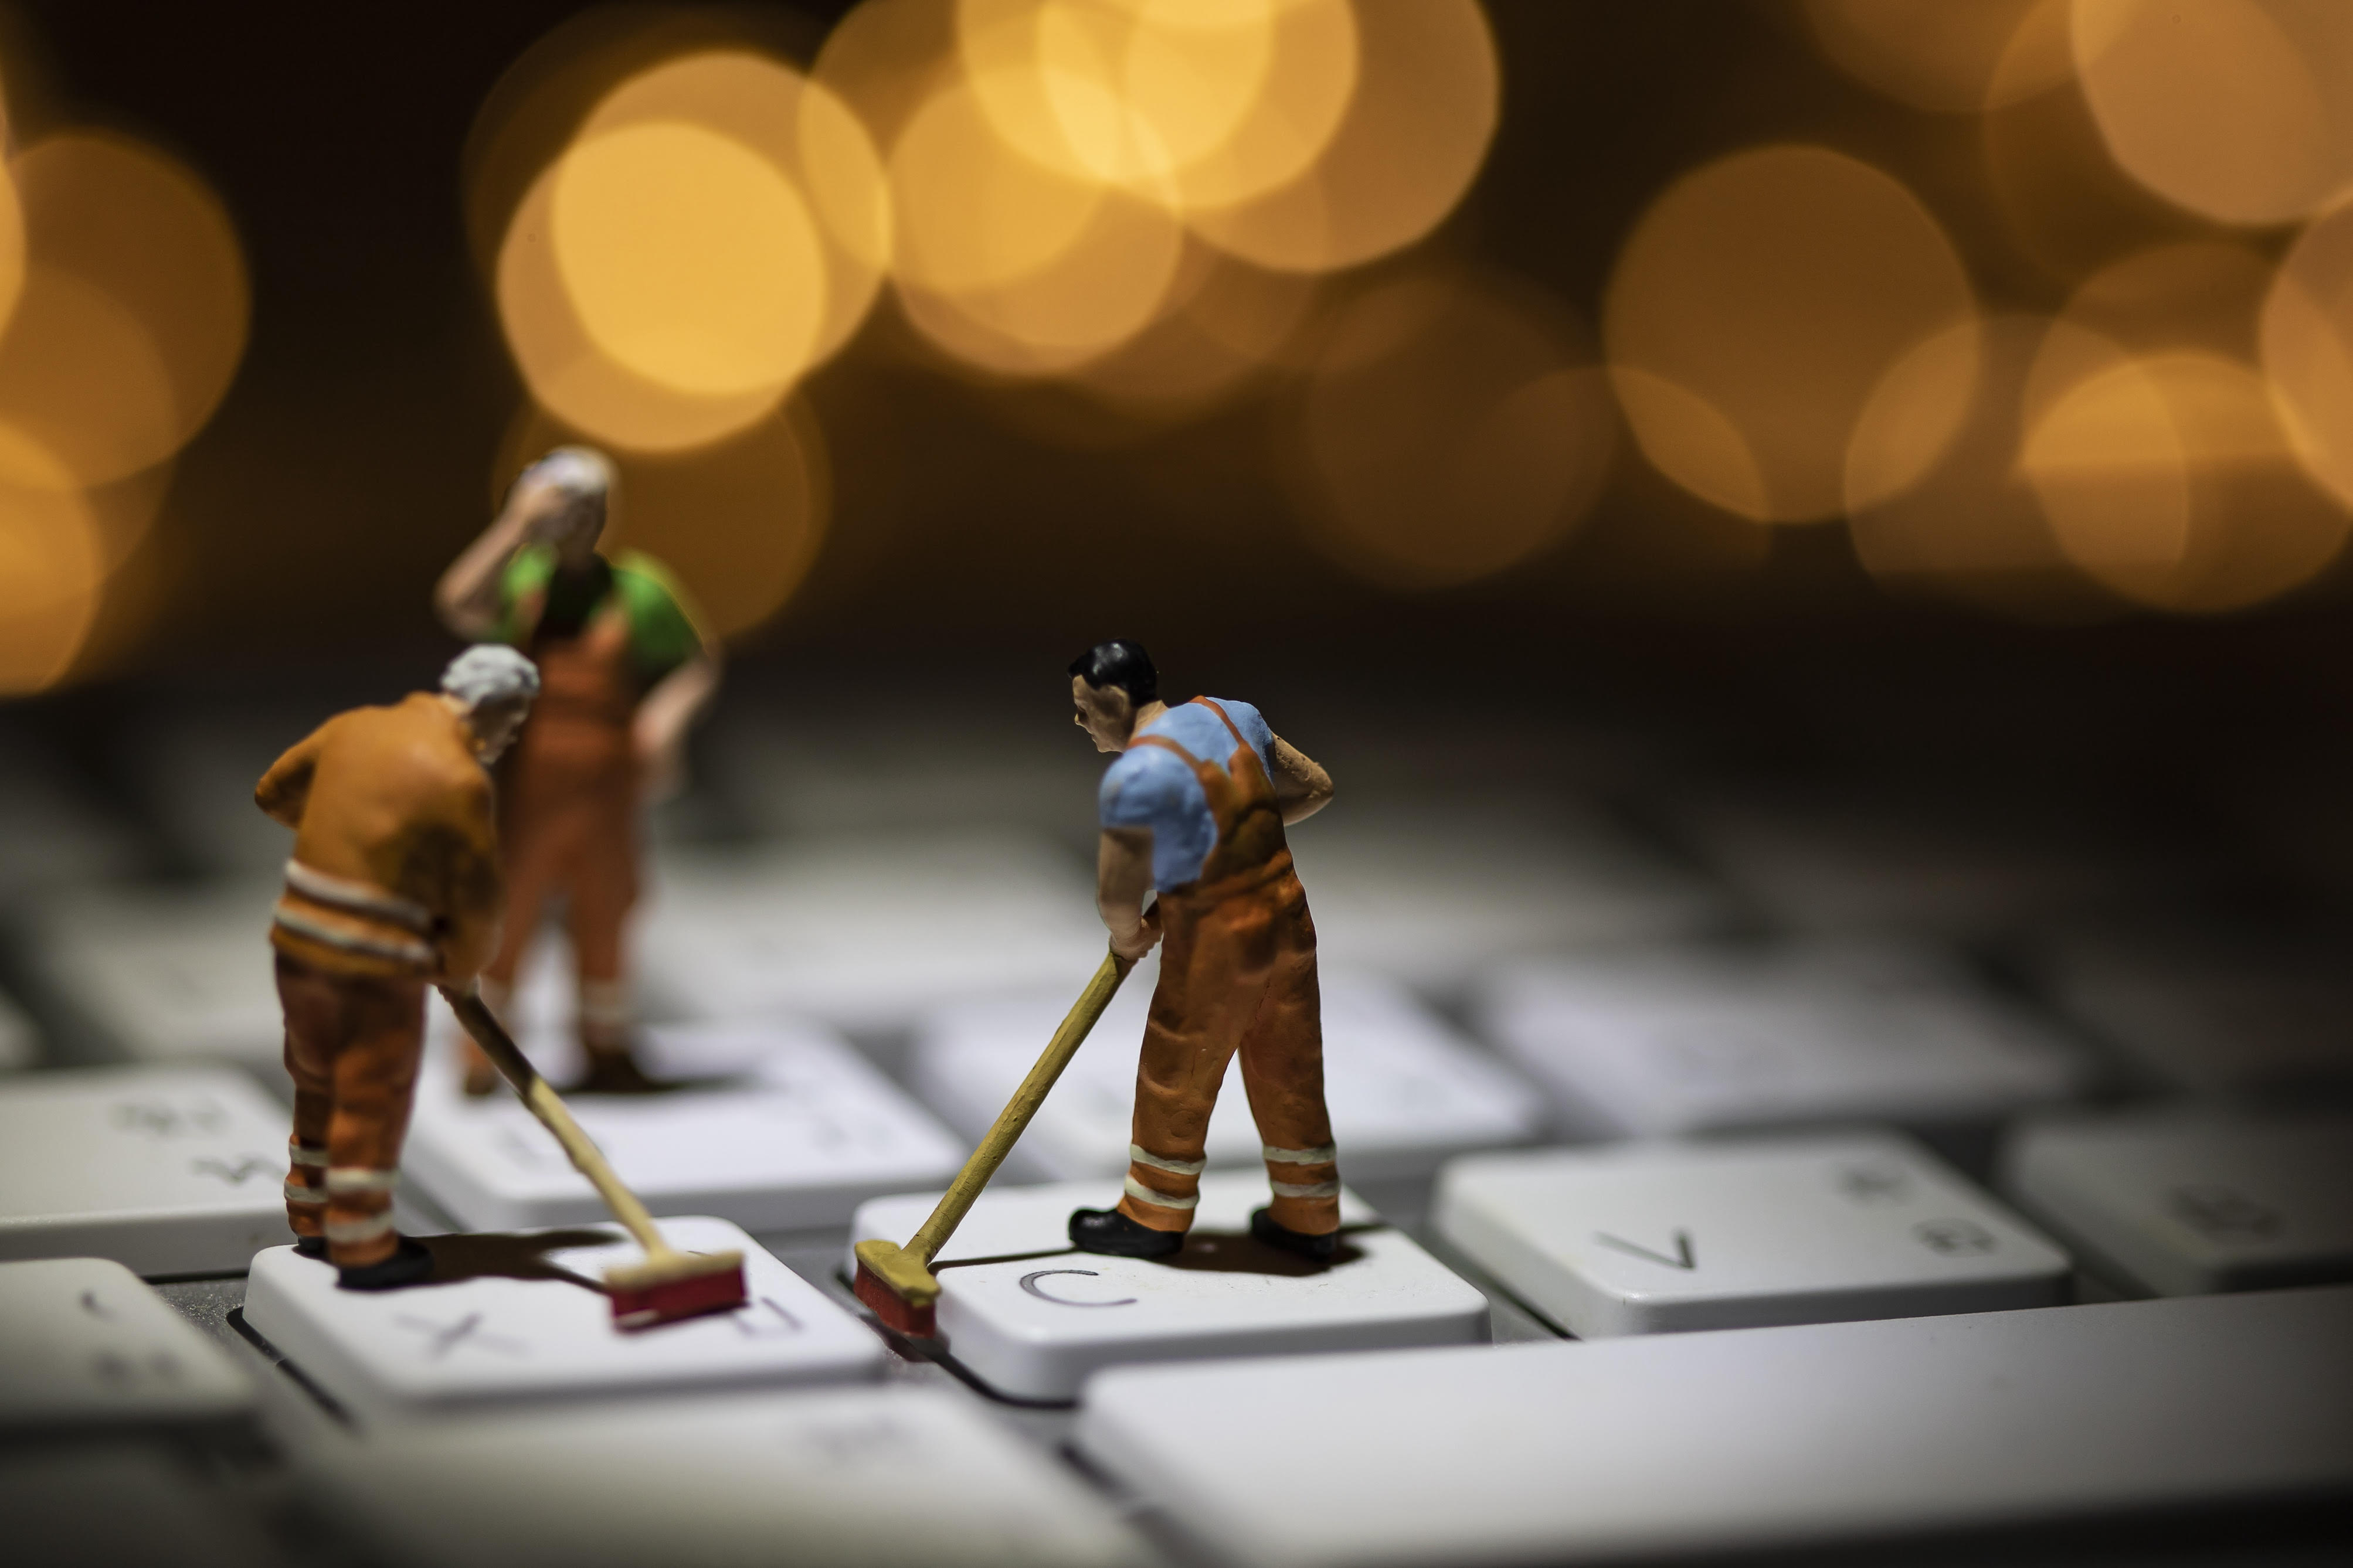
(491, 673)
(581, 472)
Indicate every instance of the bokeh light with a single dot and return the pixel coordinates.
(1934, 54)
(740, 521)
(689, 258)
(2066, 204)
(1210, 101)
(1227, 324)
(714, 228)
(2238, 110)
(1427, 94)
(134, 309)
(1757, 307)
(53, 564)
(2306, 333)
(2169, 479)
(1451, 427)
(1970, 528)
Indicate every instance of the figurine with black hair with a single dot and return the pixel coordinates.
(627, 669)
(1194, 810)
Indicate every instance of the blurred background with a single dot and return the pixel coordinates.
(1931, 403)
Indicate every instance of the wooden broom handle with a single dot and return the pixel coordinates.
(538, 1094)
(1014, 1119)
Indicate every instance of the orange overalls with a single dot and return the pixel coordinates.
(569, 818)
(394, 882)
(1237, 973)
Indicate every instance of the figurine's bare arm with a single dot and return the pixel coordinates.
(1301, 788)
(467, 597)
(1122, 881)
(659, 732)
(285, 789)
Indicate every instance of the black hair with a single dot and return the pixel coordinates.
(1123, 664)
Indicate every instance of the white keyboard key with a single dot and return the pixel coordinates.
(867, 933)
(110, 1504)
(785, 1127)
(54, 837)
(1647, 1238)
(170, 974)
(883, 1477)
(1030, 1316)
(1874, 854)
(2185, 1202)
(2200, 1012)
(1431, 895)
(202, 762)
(88, 1344)
(165, 1170)
(852, 775)
(1749, 1439)
(1404, 1090)
(1645, 1045)
(529, 1323)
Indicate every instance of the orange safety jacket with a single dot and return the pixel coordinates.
(395, 871)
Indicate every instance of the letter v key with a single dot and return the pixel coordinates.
(1681, 1259)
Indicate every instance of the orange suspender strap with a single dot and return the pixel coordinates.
(1223, 718)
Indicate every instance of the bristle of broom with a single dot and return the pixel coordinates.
(916, 1321)
(647, 1294)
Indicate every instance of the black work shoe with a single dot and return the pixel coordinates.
(617, 1072)
(409, 1263)
(310, 1246)
(1113, 1234)
(1314, 1248)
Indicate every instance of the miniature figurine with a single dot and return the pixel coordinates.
(1194, 808)
(394, 883)
(626, 670)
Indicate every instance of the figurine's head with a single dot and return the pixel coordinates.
(563, 497)
(490, 686)
(1111, 683)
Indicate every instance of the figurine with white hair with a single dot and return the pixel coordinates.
(394, 884)
(626, 670)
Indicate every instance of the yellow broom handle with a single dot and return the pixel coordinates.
(1014, 1120)
(536, 1093)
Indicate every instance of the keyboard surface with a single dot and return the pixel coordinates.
(1725, 1181)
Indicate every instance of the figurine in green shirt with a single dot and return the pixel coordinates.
(624, 669)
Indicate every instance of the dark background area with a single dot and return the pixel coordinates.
(353, 455)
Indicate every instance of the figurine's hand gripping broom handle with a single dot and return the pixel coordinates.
(536, 1093)
(1014, 1119)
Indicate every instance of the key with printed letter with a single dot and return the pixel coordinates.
(1746, 1439)
(867, 933)
(2180, 1200)
(883, 1476)
(88, 1345)
(1404, 1091)
(1030, 1315)
(1684, 1041)
(775, 1126)
(166, 1170)
(168, 974)
(1431, 895)
(521, 1318)
(1643, 1238)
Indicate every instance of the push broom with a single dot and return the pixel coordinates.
(896, 1282)
(668, 1284)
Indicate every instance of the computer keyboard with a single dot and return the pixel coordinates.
(1643, 1253)
(1406, 1088)
(1645, 1239)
